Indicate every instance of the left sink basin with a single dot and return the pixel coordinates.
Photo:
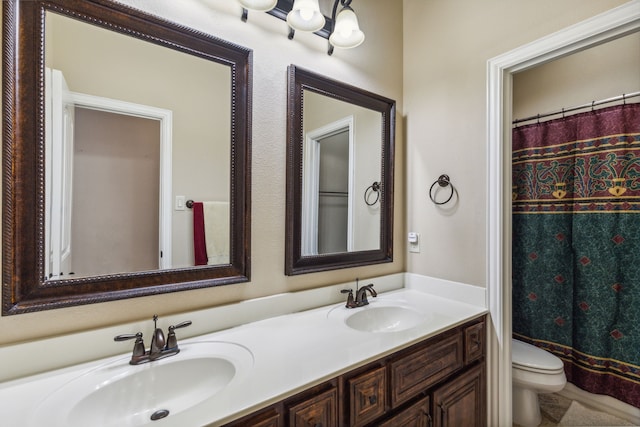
(119, 394)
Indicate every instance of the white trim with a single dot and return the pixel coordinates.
(602, 28)
(165, 117)
(310, 183)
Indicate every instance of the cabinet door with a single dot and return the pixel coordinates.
(367, 396)
(318, 411)
(461, 401)
(416, 415)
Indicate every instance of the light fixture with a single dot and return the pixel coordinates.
(257, 5)
(305, 16)
(342, 29)
(346, 31)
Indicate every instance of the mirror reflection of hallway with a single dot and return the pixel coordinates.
(333, 197)
(115, 205)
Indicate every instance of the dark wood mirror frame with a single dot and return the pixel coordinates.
(23, 287)
(299, 81)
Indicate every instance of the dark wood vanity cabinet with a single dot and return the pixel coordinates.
(461, 401)
(367, 399)
(318, 411)
(439, 382)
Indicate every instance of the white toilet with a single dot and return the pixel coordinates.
(534, 371)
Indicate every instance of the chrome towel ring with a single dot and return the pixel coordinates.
(443, 181)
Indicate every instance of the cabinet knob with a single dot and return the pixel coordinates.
(373, 399)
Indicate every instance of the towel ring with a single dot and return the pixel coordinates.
(443, 180)
(373, 188)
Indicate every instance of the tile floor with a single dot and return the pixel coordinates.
(559, 411)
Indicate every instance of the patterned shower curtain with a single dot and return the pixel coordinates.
(576, 246)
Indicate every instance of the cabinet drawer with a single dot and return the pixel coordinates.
(416, 415)
(474, 337)
(318, 411)
(367, 396)
(268, 418)
(416, 371)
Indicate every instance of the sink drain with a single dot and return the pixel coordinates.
(159, 414)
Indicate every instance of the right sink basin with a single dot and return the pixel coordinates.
(388, 313)
(388, 318)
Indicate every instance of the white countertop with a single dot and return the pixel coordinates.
(290, 352)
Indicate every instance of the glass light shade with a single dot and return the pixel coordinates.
(259, 5)
(346, 33)
(305, 16)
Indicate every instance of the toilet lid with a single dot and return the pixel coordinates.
(529, 356)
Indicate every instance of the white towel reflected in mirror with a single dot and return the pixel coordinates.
(216, 231)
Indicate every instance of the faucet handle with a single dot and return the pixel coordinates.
(180, 325)
(172, 340)
(138, 346)
(126, 337)
(350, 301)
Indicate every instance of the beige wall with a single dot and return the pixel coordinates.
(602, 72)
(375, 66)
(446, 48)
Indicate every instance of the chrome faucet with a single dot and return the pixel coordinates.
(361, 295)
(159, 349)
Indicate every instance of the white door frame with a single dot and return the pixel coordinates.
(165, 118)
(311, 174)
(59, 172)
(610, 25)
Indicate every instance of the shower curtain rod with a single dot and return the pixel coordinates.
(592, 104)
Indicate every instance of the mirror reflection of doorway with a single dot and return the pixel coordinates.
(328, 179)
(108, 184)
(115, 209)
(333, 194)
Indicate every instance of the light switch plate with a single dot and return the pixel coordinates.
(180, 203)
(414, 241)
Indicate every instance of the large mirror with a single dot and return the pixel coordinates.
(126, 155)
(339, 175)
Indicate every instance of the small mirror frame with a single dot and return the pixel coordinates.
(299, 81)
(23, 286)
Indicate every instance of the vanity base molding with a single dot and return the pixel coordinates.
(439, 382)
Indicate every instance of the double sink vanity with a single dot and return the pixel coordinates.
(414, 355)
(409, 357)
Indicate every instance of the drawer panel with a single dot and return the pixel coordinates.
(367, 396)
(319, 411)
(417, 415)
(416, 371)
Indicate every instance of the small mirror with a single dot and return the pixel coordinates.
(339, 175)
(115, 120)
